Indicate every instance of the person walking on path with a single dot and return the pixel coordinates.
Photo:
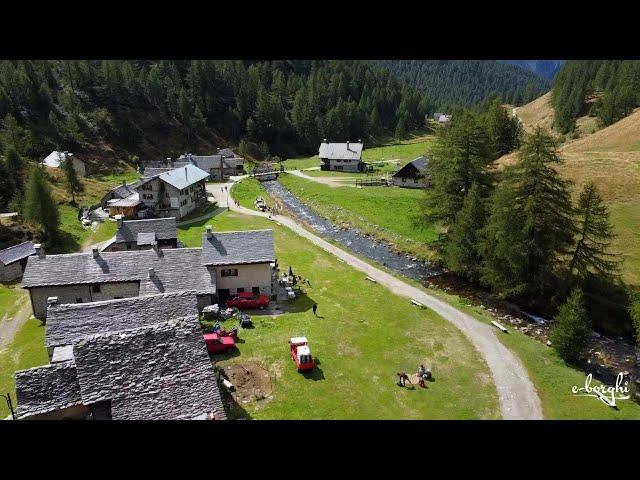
(315, 309)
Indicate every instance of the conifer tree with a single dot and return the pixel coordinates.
(530, 228)
(461, 251)
(74, 186)
(590, 255)
(459, 160)
(570, 332)
(39, 205)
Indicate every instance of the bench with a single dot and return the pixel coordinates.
(417, 303)
(501, 327)
(371, 279)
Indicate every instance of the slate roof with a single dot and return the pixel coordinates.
(339, 151)
(130, 201)
(68, 323)
(47, 388)
(183, 177)
(234, 248)
(16, 252)
(163, 228)
(124, 191)
(154, 372)
(226, 153)
(413, 169)
(176, 269)
(146, 239)
(209, 162)
(159, 372)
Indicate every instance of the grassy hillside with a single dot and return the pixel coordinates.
(610, 157)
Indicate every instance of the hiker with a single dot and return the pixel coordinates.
(315, 309)
(423, 374)
(403, 378)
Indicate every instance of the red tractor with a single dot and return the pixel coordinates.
(219, 343)
(249, 300)
(301, 354)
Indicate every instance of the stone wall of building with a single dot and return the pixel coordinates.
(249, 276)
(11, 272)
(84, 293)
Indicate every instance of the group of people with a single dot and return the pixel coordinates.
(424, 374)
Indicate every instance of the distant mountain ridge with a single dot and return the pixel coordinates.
(544, 68)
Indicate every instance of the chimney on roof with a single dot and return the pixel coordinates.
(52, 301)
(119, 222)
(347, 144)
(324, 140)
(124, 183)
(39, 250)
(168, 161)
(95, 251)
(152, 272)
(185, 173)
(209, 231)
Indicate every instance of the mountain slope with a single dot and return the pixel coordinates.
(609, 157)
(464, 83)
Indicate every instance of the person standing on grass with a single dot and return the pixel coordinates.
(315, 309)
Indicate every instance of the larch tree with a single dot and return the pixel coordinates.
(74, 185)
(570, 332)
(591, 252)
(39, 205)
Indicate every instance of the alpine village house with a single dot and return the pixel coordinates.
(413, 174)
(345, 157)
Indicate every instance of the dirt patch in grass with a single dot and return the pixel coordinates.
(252, 382)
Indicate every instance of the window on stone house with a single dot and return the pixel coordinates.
(95, 288)
(78, 300)
(229, 272)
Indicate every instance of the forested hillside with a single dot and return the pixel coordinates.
(606, 89)
(452, 84)
(544, 68)
(117, 109)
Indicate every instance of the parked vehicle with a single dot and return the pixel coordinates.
(301, 354)
(219, 343)
(249, 300)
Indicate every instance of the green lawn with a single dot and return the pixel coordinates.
(11, 298)
(404, 151)
(388, 213)
(73, 235)
(27, 350)
(359, 345)
(552, 377)
(247, 190)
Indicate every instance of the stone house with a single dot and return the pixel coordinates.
(158, 371)
(143, 234)
(174, 193)
(413, 174)
(240, 261)
(13, 261)
(345, 157)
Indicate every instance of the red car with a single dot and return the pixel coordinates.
(249, 300)
(301, 354)
(218, 343)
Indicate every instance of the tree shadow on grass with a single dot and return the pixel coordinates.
(233, 409)
(302, 303)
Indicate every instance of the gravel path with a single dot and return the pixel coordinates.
(517, 395)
